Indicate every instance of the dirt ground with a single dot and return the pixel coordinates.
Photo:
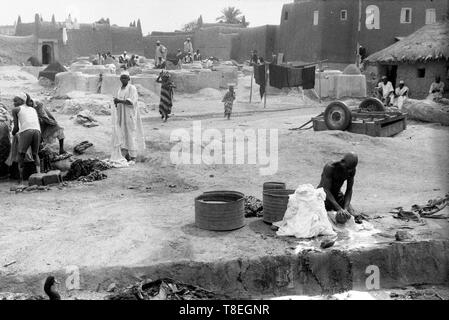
(144, 214)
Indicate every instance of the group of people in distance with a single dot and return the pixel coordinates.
(396, 97)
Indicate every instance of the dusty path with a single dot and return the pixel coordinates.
(144, 215)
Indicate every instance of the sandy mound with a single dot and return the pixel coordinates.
(427, 110)
(210, 93)
(79, 101)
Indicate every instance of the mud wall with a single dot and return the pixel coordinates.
(127, 38)
(216, 41)
(299, 39)
(419, 87)
(172, 42)
(17, 50)
(261, 39)
(335, 39)
(85, 41)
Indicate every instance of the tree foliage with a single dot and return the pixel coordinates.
(232, 15)
(102, 21)
(191, 26)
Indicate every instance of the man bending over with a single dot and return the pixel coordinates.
(332, 179)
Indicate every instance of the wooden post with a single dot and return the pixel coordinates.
(265, 93)
(251, 92)
(319, 79)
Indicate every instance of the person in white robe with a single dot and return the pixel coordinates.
(386, 90)
(436, 89)
(401, 94)
(128, 131)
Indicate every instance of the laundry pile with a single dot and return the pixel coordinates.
(306, 216)
(164, 289)
(87, 170)
(253, 207)
(429, 210)
(48, 157)
(96, 175)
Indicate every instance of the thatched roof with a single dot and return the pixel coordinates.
(431, 42)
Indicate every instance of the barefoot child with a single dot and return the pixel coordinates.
(228, 100)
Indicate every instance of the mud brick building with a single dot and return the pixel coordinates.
(64, 41)
(312, 30)
(417, 59)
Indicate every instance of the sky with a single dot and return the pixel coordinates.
(155, 15)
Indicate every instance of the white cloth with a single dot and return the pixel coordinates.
(28, 119)
(306, 215)
(161, 52)
(64, 36)
(188, 47)
(402, 96)
(387, 89)
(127, 124)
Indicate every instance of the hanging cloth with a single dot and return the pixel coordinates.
(64, 36)
(308, 78)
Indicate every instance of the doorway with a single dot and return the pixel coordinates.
(47, 53)
(392, 74)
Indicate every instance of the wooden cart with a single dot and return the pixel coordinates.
(363, 120)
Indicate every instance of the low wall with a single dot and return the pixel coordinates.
(347, 85)
(186, 81)
(76, 81)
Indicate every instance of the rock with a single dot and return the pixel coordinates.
(402, 235)
(274, 228)
(36, 179)
(81, 147)
(112, 287)
(46, 82)
(52, 177)
(31, 188)
(327, 244)
(86, 119)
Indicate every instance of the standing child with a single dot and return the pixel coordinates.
(228, 100)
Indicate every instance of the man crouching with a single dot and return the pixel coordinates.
(332, 179)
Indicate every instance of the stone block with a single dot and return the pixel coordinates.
(36, 179)
(52, 177)
(351, 86)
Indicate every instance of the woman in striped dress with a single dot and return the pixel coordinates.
(166, 102)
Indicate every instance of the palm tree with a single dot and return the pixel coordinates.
(230, 15)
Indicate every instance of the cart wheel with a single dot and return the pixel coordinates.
(337, 116)
(371, 104)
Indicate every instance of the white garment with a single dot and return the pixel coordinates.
(306, 215)
(128, 122)
(439, 88)
(387, 89)
(161, 52)
(28, 119)
(188, 47)
(402, 96)
(64, 36)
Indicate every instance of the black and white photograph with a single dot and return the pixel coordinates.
(228, 156)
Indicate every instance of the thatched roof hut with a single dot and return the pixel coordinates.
(429, 43)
